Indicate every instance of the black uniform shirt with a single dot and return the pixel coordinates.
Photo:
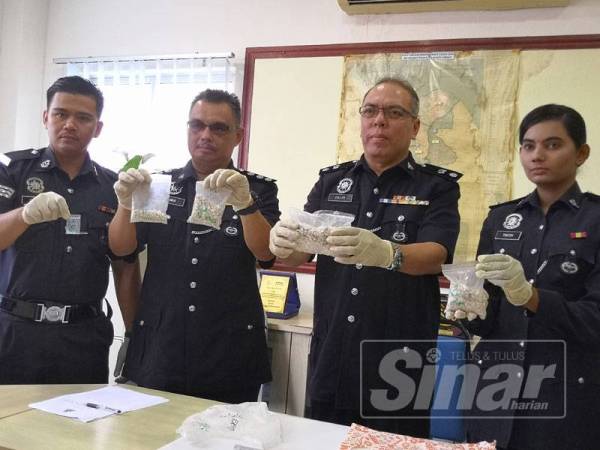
(46, 263)
(559, 252)
(408, 203)
(201, 324)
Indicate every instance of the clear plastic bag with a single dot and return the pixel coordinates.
(150, 201)
(208, 206)
(314, 228)
(250, 422)
(466, 297)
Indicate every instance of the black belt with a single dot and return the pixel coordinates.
(50, 312)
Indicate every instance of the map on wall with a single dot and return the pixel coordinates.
(467, 113)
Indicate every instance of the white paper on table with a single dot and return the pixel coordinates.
(113, 397)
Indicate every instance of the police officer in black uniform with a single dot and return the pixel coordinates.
(200, 329)
(55, 206)
(541, 255)
(381, 282)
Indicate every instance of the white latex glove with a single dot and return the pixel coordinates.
(128, 182)
(466, 305)
(240, 197)
(283, 237)
(121, 356)
(506, 272)
(45, 207)
(350, 245)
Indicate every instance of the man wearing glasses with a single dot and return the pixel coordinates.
(381, 282)
(200, 327)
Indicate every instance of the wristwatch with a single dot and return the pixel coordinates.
(252, 208)
(397, 259)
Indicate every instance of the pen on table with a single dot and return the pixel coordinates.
(107, 408)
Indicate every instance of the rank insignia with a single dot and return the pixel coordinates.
(578, 234)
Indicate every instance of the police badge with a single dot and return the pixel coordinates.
(512, 221)
(344, 185)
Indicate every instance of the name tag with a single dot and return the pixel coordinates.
(176, 201)
(502, 235)
(345, 198)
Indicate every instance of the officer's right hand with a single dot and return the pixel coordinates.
(121, 356)
(45, 207)
(283, 237)
(128, 182)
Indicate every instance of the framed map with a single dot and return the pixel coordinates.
(300, 110)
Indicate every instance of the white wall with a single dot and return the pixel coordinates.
(127, 27)
(22, 63)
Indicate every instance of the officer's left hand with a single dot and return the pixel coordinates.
(240, 197)
(350, 245)
(506, 272)
(121, 356)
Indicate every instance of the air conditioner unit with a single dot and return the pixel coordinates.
(414, 6)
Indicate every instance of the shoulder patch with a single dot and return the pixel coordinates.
(509, 202)
(341, 166)
(447, 174)
(30, 153)
(256, 176)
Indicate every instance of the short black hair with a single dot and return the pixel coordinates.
(219, 96)
(76, 85)
(571, 119)
(415, 102)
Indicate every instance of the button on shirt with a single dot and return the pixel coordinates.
(352, 302)
(45, 262)
(203, 319)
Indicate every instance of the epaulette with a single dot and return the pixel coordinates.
(256, 176)
(30, 153)
(592, 196)
(342, 166)
(447, 174)
(509, 202)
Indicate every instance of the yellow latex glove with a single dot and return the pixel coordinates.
(506, 272)
(240, 197)
(45, 207)
(350, 245)
(128, 182)
(283, 237)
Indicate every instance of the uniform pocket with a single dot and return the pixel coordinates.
(401, 223)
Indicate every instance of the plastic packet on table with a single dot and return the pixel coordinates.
(314, 228)
(150, 201)
(466, 293)
(208, 206)
(251, 423)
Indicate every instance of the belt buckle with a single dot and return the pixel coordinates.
(53, 313)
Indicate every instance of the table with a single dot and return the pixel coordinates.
(24, 428)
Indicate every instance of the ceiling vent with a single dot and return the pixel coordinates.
(415, 6)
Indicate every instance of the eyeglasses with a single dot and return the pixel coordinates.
(394, 112)
(218, 128)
